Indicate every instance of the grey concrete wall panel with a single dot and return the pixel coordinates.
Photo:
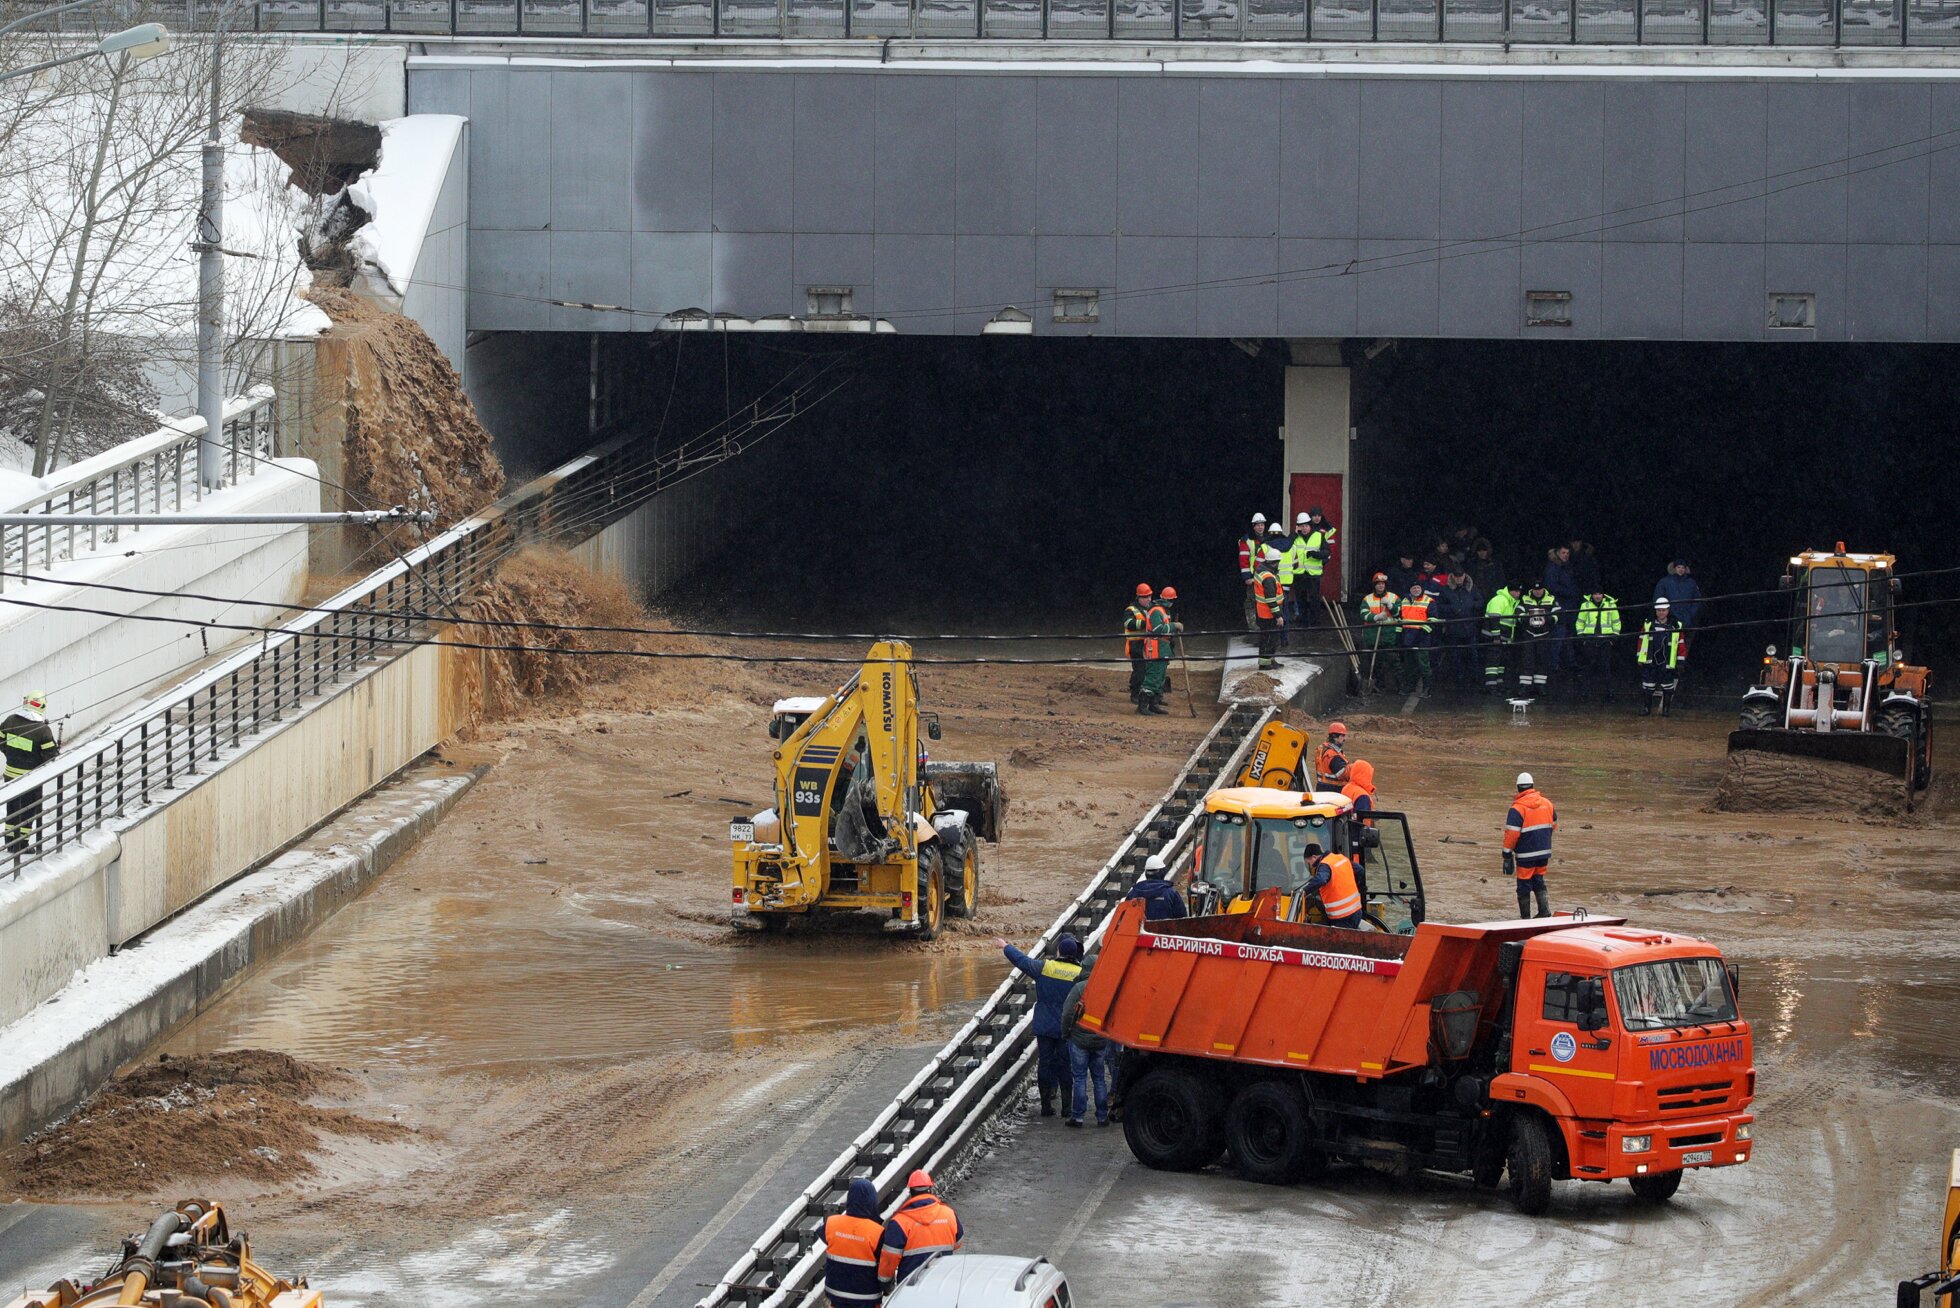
(1886, 195)
(1314, 298)
(836, 144)
(1238, 187)
(1481, 160)
(753, 159)
(1075, 151)
(1640, 291)
(1246, 202)
(1157, 158)
(1237, 291)
(671, 271)
(1644, 150)
(997, 150)
(1727, 143)
(916, 145)
(1154, 275)
(1808, 132)
(673, 153)
(1319, 158)
(590, 192)
(1401, 148)
(1398, 286)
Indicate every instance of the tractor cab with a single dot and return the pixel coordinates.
(1254, 838)
(1844, 609)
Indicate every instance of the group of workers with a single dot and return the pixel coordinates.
(1282, 572)
(1150, 631)
(866, 1254)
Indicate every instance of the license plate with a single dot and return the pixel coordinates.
(741, 831)
(1694, 1156)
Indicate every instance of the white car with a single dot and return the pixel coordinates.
(983, 1281)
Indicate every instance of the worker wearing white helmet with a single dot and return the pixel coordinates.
(1659, 654)
(1250, 543)
(27, 742)
(1267, 596)
(1528, 829)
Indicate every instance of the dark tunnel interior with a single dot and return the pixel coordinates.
(1023, 484)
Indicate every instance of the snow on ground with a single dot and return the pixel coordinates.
(400, 193)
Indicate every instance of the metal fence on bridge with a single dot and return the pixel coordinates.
(1828, 23)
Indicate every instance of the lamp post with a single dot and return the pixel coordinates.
(135, 43)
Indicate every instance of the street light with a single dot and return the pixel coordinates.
(144, 41)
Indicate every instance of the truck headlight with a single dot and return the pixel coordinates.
(1636, 1144)
(1745, 1131)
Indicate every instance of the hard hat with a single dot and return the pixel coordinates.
(1267, 554)
(920, 1179)
(1170, 593)
(1301, 519)
(1337, 728)
(1662, 603)
(1525, 781)
(37, 700)
(1152, 866)
(1258, 517)
(1277, 529)
(1069, 947)
(1381, 577)
(1143, 590)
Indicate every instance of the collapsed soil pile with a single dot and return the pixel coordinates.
(1758, 781)
(411, 432)
(237, 1114)
(1380, 724)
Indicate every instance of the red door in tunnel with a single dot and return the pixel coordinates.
(1321, 490)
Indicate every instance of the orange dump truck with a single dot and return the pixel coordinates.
(1563, 1048)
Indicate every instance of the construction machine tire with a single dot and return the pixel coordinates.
(964, 900)
(1269, 1133)
(1171, 1119)
(1528, 1164)
(1758, 716)
(1903, 723)
(1655, 1187)
(929, 896)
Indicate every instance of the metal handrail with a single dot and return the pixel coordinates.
(153, 474)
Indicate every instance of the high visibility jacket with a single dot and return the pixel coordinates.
(1312, 545)
(1414, 614)
(1537, 617)
(27, 742)
(1528, 829)
(1652, 637)
(1052, 979)
(1249, 547)
(1364, 798)
(921, 1228)
(1601, 619)
(1328, 765)
(1381, 610)
(1267, 593)
(1340, 893)
(1501, 616)
(1293, 559)
(1136, 621)
(850, 1270)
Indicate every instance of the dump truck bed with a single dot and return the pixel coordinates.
(1250, 989)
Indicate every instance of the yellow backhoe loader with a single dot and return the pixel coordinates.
(189, 1256)
(862, 819)
(1944, 1281)
(1844, 691)
(1278, 761)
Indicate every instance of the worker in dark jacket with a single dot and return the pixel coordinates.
(851, 1239)
(1562, 580)
(924, 1225)
(1088, 1056)
(1154, 888)
(1052, 981)
(27, 742)
(1683, 595)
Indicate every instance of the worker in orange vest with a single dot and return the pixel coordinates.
(1360, 787)
(1331, 876)
(1267, 596)
(1136, 621)
(850, 1238)
(1330, 760)
(1528, 829)
(924, 1225)
(1417, 636)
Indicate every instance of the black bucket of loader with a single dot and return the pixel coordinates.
(1888, 754)
(974, 787)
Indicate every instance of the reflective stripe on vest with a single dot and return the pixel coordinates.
(1528, 831)
(1598, 619)
(929, 1229)
(1646, 652)
(1135, 622)
(1340, 896)
(851, 1266)
(1266, 593)
(1415, 613)
(1382, 608)
(1059, 969)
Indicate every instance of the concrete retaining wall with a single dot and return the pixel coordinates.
(671, 535)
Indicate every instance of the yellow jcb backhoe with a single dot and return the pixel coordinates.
(862, 819)
(1844, 691)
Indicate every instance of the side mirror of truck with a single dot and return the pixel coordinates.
(1595, 1020)
(932, 731)
(1735, 980)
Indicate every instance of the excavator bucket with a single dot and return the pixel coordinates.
(974, 787)
(1888, 754)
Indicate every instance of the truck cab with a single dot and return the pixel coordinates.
(1253, 838)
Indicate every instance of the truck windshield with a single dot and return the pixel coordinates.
(1834, 615)
(1675, 993)
(1279, 854)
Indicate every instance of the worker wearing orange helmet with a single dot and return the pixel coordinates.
(1136, 621)
(1330, 763)
(924, 1225)
(1159, 645)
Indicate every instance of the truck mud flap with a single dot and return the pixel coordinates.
(974, 787)
(1888, 754)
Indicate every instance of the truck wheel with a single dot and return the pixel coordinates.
(1760, 716)
(1655, 1188)
(1270, 1133)
(1487, 1165)
(1530, 1164)
(929, 896)
(965, 899)
(774, 923)
(1171, 1120)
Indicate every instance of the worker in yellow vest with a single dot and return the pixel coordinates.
(1381, 625)
(1418, 634)
(1597, 629)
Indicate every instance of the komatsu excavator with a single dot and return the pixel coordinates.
(862, 819)
(189, 1257)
